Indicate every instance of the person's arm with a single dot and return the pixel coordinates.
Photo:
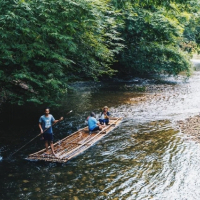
(55, 121)
(40, 126)
(97, 123)
(107, 115)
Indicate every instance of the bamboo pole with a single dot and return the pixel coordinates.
(89, 140)
(59, 153)
(58, 141)
(82, 141)
(36, 137)
(92, 142)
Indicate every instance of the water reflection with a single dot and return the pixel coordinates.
(146, 157)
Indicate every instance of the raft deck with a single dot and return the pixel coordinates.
(74, 144)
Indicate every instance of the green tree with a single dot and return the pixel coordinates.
(191, 42)
(45, 44)
(153, 34)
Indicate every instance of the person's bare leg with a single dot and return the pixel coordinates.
(52, 149)
(101, 127)
(46, 145)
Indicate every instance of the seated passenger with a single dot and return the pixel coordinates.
(93, 124)
(104, 118)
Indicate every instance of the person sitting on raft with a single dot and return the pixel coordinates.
(104, 118)
(93, 124)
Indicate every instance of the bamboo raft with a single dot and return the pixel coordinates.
(74, 144)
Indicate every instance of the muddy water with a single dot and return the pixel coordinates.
(146, 157)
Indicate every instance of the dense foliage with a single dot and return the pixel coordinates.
(45, 44)
(154, 36)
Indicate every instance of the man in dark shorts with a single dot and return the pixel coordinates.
(93, 124)
(45, 123)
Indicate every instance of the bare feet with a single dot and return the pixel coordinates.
(55, 155)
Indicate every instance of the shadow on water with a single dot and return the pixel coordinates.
(146, 157)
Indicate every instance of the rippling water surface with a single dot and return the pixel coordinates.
(146, 157)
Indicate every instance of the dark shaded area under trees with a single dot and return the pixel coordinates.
(45, 45)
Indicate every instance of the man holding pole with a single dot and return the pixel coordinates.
(46, 122)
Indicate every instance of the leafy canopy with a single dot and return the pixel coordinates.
(45, 44)
(154, 36)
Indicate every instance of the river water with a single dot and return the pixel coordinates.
(145, 157)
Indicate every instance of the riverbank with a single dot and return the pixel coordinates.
(191, 127)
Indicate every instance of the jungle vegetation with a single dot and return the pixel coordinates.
(46, 44)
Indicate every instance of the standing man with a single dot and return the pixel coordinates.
(45, 124)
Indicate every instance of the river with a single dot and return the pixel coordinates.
(145, 157)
